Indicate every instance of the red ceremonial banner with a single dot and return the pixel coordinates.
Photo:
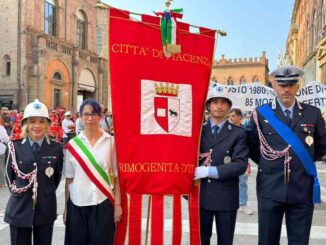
(157, 104)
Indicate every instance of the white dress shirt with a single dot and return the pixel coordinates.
(83, 192)
(4, 138)
(65, 124)
(285, 108)
(104, 125)
(79, 125)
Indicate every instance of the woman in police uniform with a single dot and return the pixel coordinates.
(33, 171)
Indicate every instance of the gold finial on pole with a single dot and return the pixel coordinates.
(167, 4)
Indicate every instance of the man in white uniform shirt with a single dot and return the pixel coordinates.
(68, 127)
(105, 120)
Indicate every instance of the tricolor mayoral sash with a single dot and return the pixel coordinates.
(158, 100)
(91, 168)
(296, 145)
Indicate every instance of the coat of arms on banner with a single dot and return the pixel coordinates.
(166, 108)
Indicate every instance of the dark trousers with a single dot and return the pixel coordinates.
(298, 218)
(90, 224)
(42, 235)
(225, 225)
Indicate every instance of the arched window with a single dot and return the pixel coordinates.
(50, 17)
(57, 76)
(255, 79)
(6, 65)
(314, 31)
(81, 30)
(243, 80)
(230, 81)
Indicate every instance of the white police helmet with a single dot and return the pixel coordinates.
(216, 91)
(287, 75)
(35, 109)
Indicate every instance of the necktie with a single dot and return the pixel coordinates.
(35, 147)
(288, 116)
(215, 132)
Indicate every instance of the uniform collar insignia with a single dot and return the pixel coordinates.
(299, 105)
(274, 104)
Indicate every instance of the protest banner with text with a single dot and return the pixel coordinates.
(248, 96)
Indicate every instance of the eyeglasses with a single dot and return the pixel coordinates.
(87, 114)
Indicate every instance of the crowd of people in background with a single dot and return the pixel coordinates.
(65, 124)
(41, 145)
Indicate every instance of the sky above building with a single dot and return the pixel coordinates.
(252, 26)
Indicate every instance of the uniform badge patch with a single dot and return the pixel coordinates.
(227, 159)
(37, 106)
(309, 140)
(49, 171)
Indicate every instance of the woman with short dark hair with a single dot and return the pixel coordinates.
(93, 201)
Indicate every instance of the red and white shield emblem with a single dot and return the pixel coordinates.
(167, 112)
(166, 108)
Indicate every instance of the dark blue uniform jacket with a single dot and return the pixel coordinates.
(223, 193)
(306, 121)
(19, 211)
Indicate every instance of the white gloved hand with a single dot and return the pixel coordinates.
(201, 172)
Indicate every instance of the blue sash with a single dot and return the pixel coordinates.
(299, 149)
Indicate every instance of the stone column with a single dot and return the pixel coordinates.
(74, 81)
(41, 69)
(100, 82)
(34, 75)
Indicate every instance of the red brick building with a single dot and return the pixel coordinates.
(306, 43)
(50, 52)
(240, 71)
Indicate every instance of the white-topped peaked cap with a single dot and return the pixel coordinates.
(287, 74)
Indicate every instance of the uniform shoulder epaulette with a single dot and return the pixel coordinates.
(237, 126)
(15, 140)
(306, 106)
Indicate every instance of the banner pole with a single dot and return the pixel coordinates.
(101, 5)
(147, 221)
